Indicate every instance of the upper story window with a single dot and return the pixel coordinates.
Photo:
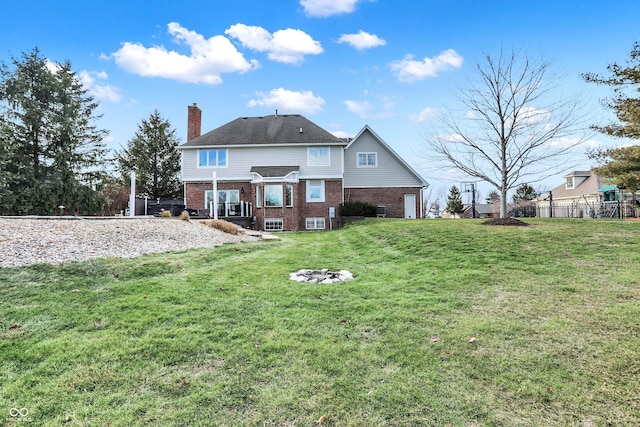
(367, 160)
(212, 158)
(318, 156)
(570, 183)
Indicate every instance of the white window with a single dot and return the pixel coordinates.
(258, 196)
(569, 185)
(273, 195)
(315, 190)
(288, 196)
(318, 156)
(228, 201)
(208, 198)
(367, 160)
(315, 224)
(273, 224)
(212, 158)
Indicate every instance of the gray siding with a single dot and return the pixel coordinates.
(390, 171)
(241, 159)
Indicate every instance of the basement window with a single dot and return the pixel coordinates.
(273, 224)
(315, 224)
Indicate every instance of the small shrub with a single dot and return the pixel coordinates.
(225, 226)
(185, 216)
(357, 209)
(165, 214)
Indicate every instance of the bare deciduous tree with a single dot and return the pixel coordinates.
(512, 128)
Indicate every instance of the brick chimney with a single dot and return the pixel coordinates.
(194, 122)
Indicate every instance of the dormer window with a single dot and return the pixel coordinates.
(570, 184)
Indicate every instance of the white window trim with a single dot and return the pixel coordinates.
(206, 196)
(322, 191)
(328, 162)
(275, 221)
(316, 221)
(289, 205)
(282, 194)
(573, 183)
(209, 166)
(366, 153)
(258, 196)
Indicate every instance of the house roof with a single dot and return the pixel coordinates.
(578, 173)
(606, 188)
(267, 130)
(481, 208)
(589, 186)
(274, 171)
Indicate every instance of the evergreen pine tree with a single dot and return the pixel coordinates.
(524, 193)
(46, 120)
(152, 153)
(454, 201)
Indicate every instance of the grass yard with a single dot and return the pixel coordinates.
(447, 323)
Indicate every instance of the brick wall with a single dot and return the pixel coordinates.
(194, 192)
(194, 122)
(289, 214)
(295, 217)
(391, 198)
(333, 198)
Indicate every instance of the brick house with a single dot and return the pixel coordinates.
(284, 172)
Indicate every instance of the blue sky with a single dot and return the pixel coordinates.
(341, 63)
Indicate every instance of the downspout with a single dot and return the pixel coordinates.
(342, 174)
(184, 184)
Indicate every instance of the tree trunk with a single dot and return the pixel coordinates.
(503, 203)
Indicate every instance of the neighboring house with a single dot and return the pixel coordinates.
(581, 195)
(284, 172)
(482, 210)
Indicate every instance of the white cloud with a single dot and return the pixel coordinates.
(409, 70)
(53, 67)
(361, 108)
(207, 60)
(342, 134)
(325, 8)
(99, 91)
(288, 46)
(374, 106)
(427, 114)
(564, 143)
(362, 40)
(289, 101)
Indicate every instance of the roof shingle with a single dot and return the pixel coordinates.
(267, 130)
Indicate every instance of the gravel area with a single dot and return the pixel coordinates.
(25, 241)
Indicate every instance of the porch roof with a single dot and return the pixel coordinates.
(606, 188)
(274, 171)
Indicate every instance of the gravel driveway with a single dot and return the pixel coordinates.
(25, 241)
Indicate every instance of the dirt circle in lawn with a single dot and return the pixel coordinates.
(321, 276)
(505, 221)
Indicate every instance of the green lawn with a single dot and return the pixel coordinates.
(223, 337)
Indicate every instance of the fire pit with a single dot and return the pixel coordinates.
(321, 276)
